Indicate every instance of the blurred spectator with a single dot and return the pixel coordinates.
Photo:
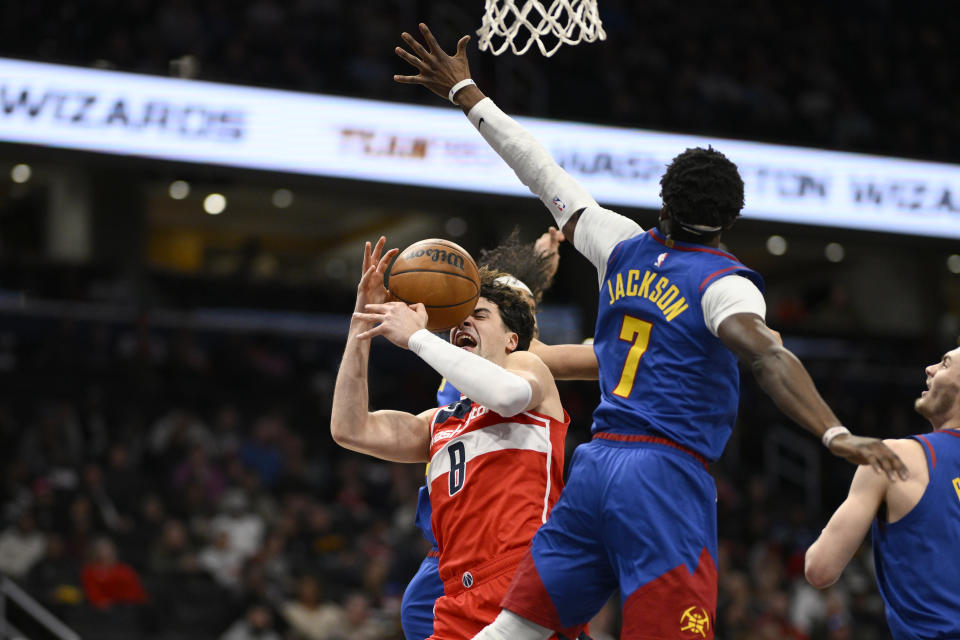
(107, 581)
(55, 580)
(256, 624)
(172, 552)
(309, 617)
(222, 561)
(359, 623)
(178, 430)
(262, 452)
(199, 472)
(21, 546)
(244, 528)
(94, 489)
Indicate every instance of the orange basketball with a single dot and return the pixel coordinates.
(441, 275)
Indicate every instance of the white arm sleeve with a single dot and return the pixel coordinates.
(474, 376)
(530, 160)
(598, 231)
(559, 192)
(729, 295)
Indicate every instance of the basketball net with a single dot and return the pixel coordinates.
(564, 22)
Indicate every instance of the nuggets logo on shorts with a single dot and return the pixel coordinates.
(695, 620)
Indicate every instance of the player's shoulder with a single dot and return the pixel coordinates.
(527, 360)
(902, 446)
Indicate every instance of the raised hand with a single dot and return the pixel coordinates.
(548, 245)
(871, 451)
(397, 321)
(438, 71)
(370, 290)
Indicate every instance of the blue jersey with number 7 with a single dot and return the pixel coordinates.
(663, 374)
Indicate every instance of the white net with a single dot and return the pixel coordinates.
(506, 25)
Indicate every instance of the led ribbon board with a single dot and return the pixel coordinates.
(202, 122)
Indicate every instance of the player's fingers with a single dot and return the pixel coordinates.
(462, 46)
(368, 269)
(406, 56)
(419, 308)
(896, 468)
(370, 333)
(410, 79)
(415, 45)
(366, 255)
(432, 43)
(385, 260)
(375, 256)
(375, 307)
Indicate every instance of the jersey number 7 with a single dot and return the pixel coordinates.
(637, 332)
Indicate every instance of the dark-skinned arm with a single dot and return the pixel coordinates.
(783, 377)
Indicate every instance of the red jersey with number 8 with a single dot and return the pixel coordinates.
(492, 482)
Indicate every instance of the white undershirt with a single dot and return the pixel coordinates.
(598, 230)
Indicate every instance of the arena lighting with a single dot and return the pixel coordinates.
(214, 204)
(282, 198)
(777, 245)
(834, 252)
(283, 131)
(179, 189)
(953, 263)
(21, 173)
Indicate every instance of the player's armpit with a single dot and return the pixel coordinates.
(597, 232)
(396, 436)
(844, 533)
(568, 361)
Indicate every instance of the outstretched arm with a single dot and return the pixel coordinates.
(532, 163)
(829, 554)
(568, 361)
(390, 435)
(786, 381)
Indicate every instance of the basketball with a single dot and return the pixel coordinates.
(441, 275)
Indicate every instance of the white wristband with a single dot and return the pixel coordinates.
(832, 433)
(466, 82)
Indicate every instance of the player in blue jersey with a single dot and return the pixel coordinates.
(531, 268)
(675, 315)
(915, 524)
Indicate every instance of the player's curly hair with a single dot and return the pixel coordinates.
(519, 260)
(515, 311)
(701, 187)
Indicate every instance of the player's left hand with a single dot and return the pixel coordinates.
(397, 321)
(370, 290)
(871, 451)
(438, 70)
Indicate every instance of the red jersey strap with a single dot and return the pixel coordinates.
(622, 437)
(483, 572)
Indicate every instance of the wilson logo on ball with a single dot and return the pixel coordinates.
(438, 255)
(439, 274)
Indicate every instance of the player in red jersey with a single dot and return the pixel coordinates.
(496, 456)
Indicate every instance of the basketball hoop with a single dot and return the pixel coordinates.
(564, 22)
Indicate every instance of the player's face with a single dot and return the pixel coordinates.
(941, 400)
(483, 332)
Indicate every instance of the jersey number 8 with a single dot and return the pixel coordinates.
(458, 466)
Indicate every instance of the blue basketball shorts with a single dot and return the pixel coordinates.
(416, 608)
(640, 516)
